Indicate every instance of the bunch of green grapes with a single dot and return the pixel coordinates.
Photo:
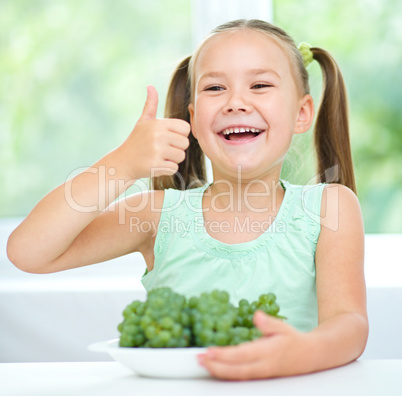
(167, 319)
(266, 303)
(161, 322)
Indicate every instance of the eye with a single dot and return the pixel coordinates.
(214, 88)
(261, 86)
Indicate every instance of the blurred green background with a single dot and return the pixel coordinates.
(73, 77)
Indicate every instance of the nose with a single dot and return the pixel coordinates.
(236, 104)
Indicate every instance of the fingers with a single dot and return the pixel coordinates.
(242, 353)
(269, 325)
(175, 125)
(239, 372)
(170, 165)
(175, 155)
(151, 104)
(180, 142)
(150, 110)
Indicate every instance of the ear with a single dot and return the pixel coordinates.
(191, 111)
(305, 115)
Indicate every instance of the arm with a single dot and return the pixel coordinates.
(341, 289)
(341, 334)
(74, 226)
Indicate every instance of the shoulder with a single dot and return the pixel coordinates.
(342, 230)
(339, 206)
(144, 206)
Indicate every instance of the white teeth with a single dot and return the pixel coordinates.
(228, 131)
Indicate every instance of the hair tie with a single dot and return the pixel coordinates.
(307, 55)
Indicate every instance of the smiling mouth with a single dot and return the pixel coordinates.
(238, 134)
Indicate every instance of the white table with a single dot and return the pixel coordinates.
(365, 377)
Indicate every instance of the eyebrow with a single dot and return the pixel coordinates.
(252, 72)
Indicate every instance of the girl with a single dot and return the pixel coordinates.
(240, 98)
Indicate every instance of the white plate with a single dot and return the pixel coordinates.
(155, 362)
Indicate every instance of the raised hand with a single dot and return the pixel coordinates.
(155, 147)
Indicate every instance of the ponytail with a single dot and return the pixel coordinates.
(331, 131)
(191, 172)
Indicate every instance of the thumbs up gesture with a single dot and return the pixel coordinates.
(155, 147)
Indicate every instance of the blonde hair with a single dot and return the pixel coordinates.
(331, 131)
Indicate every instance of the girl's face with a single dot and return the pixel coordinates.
(244, 82)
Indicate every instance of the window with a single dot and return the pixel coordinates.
(73, 84)
(365, 37)
(74, 77)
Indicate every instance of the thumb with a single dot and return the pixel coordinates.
(267, 324)
(151, 104)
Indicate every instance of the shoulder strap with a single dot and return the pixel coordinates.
(311, 196)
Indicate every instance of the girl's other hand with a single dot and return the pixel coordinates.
(280, 352)
(155, 147)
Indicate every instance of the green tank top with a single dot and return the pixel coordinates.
(281, 260)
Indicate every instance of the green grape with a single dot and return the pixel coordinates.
(145, 322)
(273, 309)
(135, 305)
(222, 338)
(206, 336)
(236, 340)
(127, 312)
(185, 317)
(167, 322)
(243, 310)
(248, 321)
(207, 322)
(126, 341)
(243, 302)
(172, 343)
(182, 343)
(155, 343)
(193, 302)
(224, 324)
(177, 330)
(164, 336)
(139, 339)
(140, 309)
(267, 298)
(150, 332)
(255, 333)
(131, 329)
